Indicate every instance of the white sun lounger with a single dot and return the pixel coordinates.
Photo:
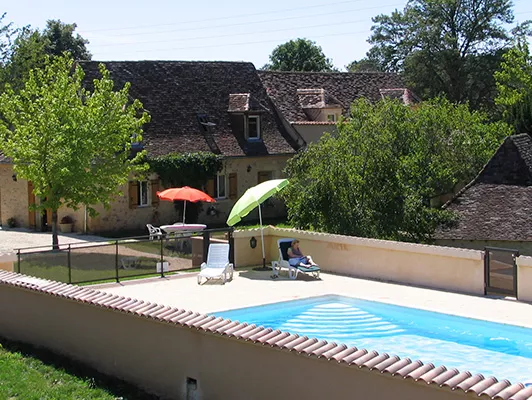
(217, 265)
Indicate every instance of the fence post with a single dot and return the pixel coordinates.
(162, 256)
(18, 261)
(69, 265)
(206, 242)
(231, 246)
(116, 262)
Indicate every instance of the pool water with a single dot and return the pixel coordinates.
(488, 348)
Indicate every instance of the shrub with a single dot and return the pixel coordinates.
(12, 222)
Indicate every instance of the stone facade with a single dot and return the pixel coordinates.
(13, 198)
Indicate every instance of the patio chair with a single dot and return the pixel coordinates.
(284, 245)
(217, 265)
(155, 233)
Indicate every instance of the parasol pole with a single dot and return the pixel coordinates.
(184, 211)
(262, 239)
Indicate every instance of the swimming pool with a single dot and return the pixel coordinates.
(488, 348)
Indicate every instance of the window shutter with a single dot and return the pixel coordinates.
(133, 194)
(233, 186)
(154, 190)
(263, 176)
(209, 187)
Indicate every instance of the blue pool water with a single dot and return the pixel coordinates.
(488, 348)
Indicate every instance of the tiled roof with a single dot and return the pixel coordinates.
(313, 123)
(491, 212)
(175, 92)
(403, 94)
(343, 87)
(496, 204)
(400, 368)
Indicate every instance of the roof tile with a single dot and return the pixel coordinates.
(343, 87)
(439, 377)
(174, 93)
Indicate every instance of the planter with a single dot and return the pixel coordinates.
(65, 228)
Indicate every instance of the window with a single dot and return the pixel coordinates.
(219, 187)
(331, 117)
(253, 127)
(142, 193)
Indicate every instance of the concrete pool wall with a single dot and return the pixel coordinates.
(180, 355)
(454, 269)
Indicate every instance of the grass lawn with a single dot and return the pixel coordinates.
(28, 373)
(44, 270)
(154, 247)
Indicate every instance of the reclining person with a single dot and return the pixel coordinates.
(296, 257)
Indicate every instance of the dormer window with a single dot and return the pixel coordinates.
(331, 117)
(253, 127)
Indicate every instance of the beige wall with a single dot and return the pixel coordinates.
(524, 278)
(458, 270)
(7, 262)
(159, 356)
(13, 197)
(313, 133)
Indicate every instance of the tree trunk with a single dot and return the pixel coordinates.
(55, 239)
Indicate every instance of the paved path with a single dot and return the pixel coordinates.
(250, 288)
(12, 239)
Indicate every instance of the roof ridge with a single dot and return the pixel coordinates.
(328, 72)
(351, 356)
(167, 61)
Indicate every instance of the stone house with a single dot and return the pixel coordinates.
(256, 120)
(495, 209)
(311, 103)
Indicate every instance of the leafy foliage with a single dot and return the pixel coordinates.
(72, 144)
(6, 32)
(363, 65)
(299, 55)
(445, 47)
(376, 176)
(514, 84)
(31, 46)
(187, 169)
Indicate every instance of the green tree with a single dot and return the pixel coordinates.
(299, 55)
(31, 46)
(6, 32)
(514, 85)
(375, 177)
(445, 47)
(363, 65)
(71, 143)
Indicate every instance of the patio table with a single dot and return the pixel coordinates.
(179, 227)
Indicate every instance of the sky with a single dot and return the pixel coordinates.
(228, 30)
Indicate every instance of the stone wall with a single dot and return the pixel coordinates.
(13, 197)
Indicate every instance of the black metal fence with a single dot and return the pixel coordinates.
(121, 259)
